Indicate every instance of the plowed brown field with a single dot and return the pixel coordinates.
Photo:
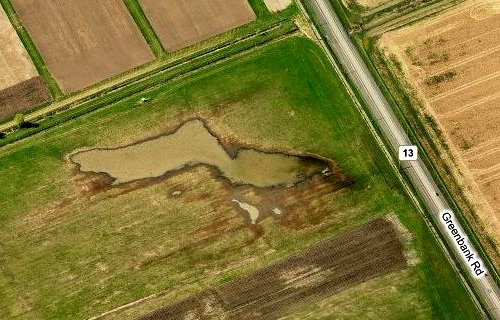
(453, 62)
(180, 23)
(20, 87)
(83, 42)
(353, 257)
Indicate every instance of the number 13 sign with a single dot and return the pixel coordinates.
(408, 153)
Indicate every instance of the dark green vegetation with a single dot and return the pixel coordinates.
(66, 255)
(259, 7)
(31, 48)
(439, 78)
(147, 31)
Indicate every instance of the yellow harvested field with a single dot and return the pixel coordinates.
(15, 64)
(453, 63)
(277, 5)
(367, 3)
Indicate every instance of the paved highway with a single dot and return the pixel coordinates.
(357, 71)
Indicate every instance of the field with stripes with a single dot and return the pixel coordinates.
(452, 63)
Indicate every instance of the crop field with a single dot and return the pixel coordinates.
(367, 3)
(353, 257)
(75, 244)
(20, 85)
(83, 42)
(453, 63)
(180, 23)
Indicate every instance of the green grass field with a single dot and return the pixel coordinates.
(68, 256)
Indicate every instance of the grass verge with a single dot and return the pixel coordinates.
(147, 31)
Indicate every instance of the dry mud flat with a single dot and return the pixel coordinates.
(83, 42)
(367, 252)
(453, 62)
(20, 86)
(181, 23)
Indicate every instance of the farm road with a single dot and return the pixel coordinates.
(422, 180)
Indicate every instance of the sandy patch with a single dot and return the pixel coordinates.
(15, 64)
(277, 5)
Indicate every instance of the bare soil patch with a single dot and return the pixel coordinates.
(452, 61)
(23, 96)
(84, 42)
(367, 252)
(181, 23)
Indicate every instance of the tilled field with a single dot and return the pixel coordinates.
(22, 96)
(83, 42)
(453, 62)
(180, 23)
(20, 86)
(353, 257)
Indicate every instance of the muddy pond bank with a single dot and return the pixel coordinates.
(193, 144)
(257, 184)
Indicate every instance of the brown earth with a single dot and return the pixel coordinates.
(453, 63)
(305, 277)
(83, 42)
(181, 23)
(20, 86)
(23, 96)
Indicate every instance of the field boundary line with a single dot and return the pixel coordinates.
(135, 10)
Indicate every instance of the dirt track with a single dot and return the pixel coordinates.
(181, 23)
(453, 62)
(83, 42)
(351, 258)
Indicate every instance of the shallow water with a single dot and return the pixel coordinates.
(190, 145)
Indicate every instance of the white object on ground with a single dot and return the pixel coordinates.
(252, 211)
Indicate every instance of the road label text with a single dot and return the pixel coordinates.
(462, 244)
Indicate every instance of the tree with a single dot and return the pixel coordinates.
(19, 120)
